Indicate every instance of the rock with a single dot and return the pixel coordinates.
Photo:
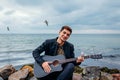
(94, 73)
(31, 73)
(19, 75)
(78, 69)
(33, 78)
(76, 76)
(91, 73)
(111, 71)
(25, 73)
(6, 71)
(91, 70)
(106, 76)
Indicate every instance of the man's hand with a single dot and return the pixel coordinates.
(80, 59)
(46, 67)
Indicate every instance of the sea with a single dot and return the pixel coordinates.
(16, 49)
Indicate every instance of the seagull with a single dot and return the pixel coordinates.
(46, 22)
(8, 28)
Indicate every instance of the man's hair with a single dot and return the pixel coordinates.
(66, 27)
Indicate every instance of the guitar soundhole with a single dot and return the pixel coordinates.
(55, 63)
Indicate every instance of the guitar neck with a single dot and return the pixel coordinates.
(85, 57)
(67, 60)
(72, 59)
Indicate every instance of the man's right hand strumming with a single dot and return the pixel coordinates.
(46, 67)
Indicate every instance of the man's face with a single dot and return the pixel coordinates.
(64, 34)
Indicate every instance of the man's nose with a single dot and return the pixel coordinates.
(66, 35)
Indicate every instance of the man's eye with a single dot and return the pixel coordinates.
(68, 34)
(64, 32)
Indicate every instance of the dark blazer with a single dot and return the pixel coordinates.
(50, 46)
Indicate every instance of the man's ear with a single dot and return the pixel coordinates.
(59, 32)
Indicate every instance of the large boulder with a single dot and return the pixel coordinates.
(25, 73)
(6, 71)
(94, 73)
(19, 75)
(31, 73)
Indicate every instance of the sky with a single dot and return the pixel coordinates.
(83, 16)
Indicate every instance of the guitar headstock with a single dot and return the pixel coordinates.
(95, 56)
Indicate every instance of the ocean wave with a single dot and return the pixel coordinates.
(116, 48)
(111, 61)
(11, 59)
(17, 51)
(112, 56)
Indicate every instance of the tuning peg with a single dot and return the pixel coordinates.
(82, 54)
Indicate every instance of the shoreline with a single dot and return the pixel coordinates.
(81, 66)
(99, 63)
(20, 70)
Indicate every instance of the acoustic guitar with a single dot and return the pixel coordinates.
(55, 63)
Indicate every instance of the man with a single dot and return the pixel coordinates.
(58, 46)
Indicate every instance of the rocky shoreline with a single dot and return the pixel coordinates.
(9, 72)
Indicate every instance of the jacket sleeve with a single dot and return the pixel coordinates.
(36, 53)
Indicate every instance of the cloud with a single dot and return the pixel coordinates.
(94, 31)
(29, 15)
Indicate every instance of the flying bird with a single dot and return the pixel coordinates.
(46, 22)
(8, 28)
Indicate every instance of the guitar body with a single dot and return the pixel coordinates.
(38, 70)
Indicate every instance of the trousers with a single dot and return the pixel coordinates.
(65, 74)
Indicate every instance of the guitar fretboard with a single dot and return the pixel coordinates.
(85, 57)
